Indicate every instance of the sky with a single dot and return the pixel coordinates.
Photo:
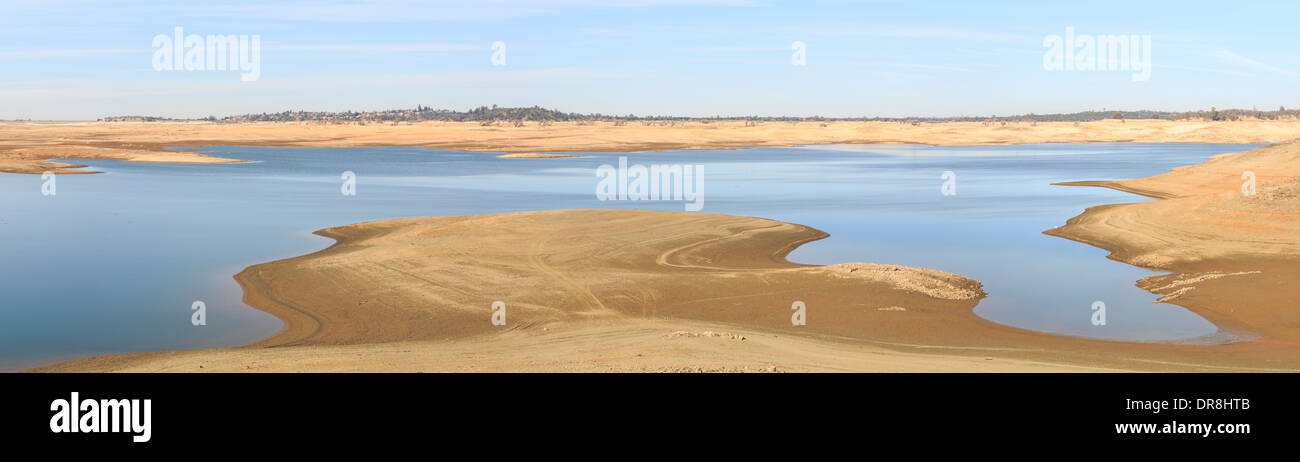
(86, 59)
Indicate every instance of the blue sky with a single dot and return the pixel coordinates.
(86, 59)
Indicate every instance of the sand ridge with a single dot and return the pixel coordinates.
(25, 147)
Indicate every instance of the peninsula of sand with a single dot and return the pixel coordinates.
(627, 290)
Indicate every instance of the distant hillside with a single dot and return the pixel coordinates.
(519, 115)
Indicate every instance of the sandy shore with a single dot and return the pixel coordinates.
(1235, 257)
(536, 155)
(25, 147)
(591, 290)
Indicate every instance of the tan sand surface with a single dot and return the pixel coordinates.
(536, 155)
(628, 345)
(25, 146)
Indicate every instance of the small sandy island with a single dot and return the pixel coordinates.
(26, 147)
(625, 290)
(536, 155)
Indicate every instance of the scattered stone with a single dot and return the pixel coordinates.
(707, 333)
(937, 284)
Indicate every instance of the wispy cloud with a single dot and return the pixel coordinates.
(1203, 69)
(54, 53)
(744, 48)
(914, 32)
(935, 67)
(85, 89)
(346, 10)
(423, 47)
(1224, 54)
(278, 47)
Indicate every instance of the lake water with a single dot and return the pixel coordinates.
(113, 262)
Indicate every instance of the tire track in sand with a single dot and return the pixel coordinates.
(535, 261)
